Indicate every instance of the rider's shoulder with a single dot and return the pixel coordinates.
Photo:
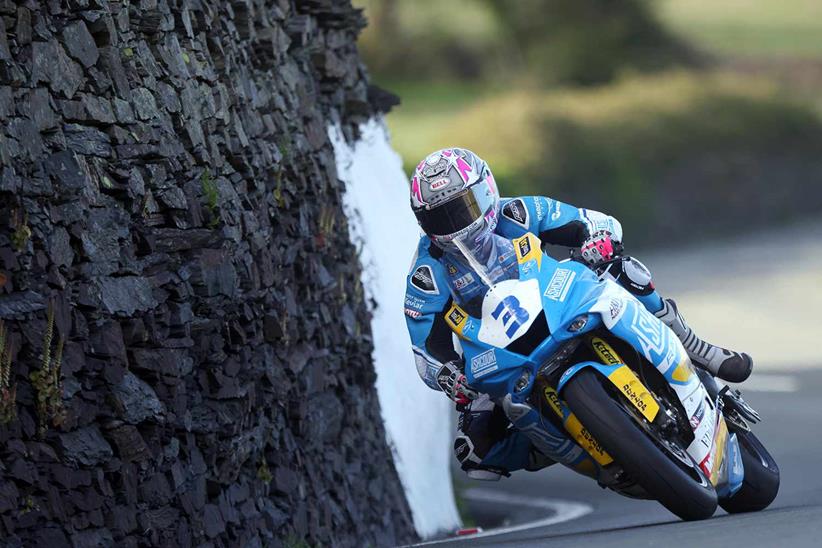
(526, 212)
(426, 275)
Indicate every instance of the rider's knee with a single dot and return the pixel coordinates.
(633, 276)
(481, 426)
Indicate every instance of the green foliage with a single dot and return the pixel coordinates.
(21, 231)
(749, 27)
(212, 197)
(47, 380)
(263, 472)
(8, 390)
(293, 541)
(587, 41)
(613, 146)
(543, 41)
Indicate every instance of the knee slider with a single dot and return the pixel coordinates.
(635, 277)
(479, 431)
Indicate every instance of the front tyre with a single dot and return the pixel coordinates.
(761, 482)
(687, 494)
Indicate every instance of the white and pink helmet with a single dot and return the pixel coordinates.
(454, 195)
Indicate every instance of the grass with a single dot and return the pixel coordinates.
(770, 28)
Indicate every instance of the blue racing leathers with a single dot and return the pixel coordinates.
(436, 279)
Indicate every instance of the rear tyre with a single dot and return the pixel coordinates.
(761, 482)
(686, 493)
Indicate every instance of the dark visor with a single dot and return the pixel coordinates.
(452, 216)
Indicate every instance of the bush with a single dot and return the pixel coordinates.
(680, 152)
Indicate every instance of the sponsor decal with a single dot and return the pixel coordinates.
(615, 308)
(553, 400)
(456, 316)
(439, 183)
(484, 363)
(524, 246)
(538, 207)
(650, 332)
(452, 270)
(605, 352)
(635, 397)
(462, 281)
(697, 418)
(414, 302)
(423, 279)
(560, 284)
(517, 212)
(556, 214)
(411, 313)
(513, 315)
(628, 383)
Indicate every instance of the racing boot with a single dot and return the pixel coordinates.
(725, 364)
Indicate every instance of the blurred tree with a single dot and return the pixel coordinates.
(587, 41)
(549, 41)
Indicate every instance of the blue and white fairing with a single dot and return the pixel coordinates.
(526, 323)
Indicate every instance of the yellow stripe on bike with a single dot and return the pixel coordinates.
(528, 248)
(719, 441)
(455, 318)
(625, 379)
(572, 425)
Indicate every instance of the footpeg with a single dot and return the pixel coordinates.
(733, 401)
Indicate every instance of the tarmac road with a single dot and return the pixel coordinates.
(764, 298)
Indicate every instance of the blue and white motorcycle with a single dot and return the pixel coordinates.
(601, 385)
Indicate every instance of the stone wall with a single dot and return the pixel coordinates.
(185, 353)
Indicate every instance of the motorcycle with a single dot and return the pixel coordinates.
(616, 395)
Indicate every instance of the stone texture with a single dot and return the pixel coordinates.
(171, 161)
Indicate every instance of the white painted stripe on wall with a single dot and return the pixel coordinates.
(417, 421)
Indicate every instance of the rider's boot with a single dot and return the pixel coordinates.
(720, 362)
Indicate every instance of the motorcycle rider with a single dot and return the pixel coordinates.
(456, 202)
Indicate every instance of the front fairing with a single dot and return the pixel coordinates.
(525, 321)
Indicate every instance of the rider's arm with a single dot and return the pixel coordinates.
(553, 221)
(427, 299)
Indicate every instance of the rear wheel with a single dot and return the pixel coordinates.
(661, 467)
(761, 481)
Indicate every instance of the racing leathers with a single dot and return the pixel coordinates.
(488, 444)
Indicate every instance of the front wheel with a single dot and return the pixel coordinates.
(682, 489)
(761, 481)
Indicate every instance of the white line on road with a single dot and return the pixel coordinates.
(561, 511)
(769, 383)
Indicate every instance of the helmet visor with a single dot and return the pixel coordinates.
(457, 213)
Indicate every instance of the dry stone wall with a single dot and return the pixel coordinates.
(185, 350)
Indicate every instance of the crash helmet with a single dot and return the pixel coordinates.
(454, 195)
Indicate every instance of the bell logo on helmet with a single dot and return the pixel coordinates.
(439, 183)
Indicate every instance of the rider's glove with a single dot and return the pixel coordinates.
(453, 382)
(599, 247)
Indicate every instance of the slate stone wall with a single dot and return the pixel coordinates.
(185, 353)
